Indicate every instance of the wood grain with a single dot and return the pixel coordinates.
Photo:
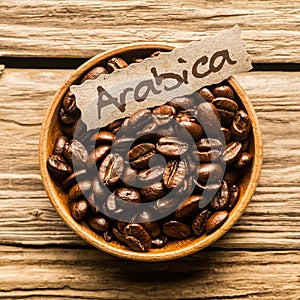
(50, 28)
(89, 274)
(271, 221)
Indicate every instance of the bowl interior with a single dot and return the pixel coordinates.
(51, 130)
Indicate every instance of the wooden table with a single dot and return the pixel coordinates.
(40, 258)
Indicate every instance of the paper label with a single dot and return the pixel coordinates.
(157, 80)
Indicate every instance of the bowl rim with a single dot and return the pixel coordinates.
(195, 245)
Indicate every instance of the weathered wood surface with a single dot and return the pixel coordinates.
(55, 273)
(271, 221)
(50, 28)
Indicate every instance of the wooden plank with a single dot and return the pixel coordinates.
(271, 221)
(71, 29)
(89, 274)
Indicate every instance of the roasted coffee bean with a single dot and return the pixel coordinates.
(121, 225)
(97, 156)
(209, 143)
(232, 152)
(212, 171)
(166, 205)
(115, 125)
(99, 189)
(140, 118)
(79, 190)
(128, 195)
(181, 103)
(122, 145)
(215, 221)
(174, 174)
(137, 237)
(150, 176)
(188, 207)
(177, 230)
(226, 117)
(227, 135)
(69, 103)
(72, 179)
(58, 165)
(245, 144)
(108, 236)
(163, 114)
(99, 223)
(231, 176)
(148, 132)
(206, 94)
(129, 176)
(234, 196)
(116, 63)
(171, 146)
(223, 91)
(187, 115)
(79, 127)
(60, 145)
(78, 209)
(140, 155)
(111, 169)
(209, 117)
(76, 154)
(199, 222)
(192, 128)
(69, 117)
(225, 104)
(119, 236)
(112, 207)
(221, 199)
(159, 242)
(95, 204)
(103, 137)
(94, 73)
(209, 188)
(153, 192)
(244, 159)
(208, 150)
(241, 126)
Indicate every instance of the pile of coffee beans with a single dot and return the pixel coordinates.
(162, 174)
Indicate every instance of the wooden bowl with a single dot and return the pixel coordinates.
(51, 130)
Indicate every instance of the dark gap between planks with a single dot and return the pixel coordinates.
(73, 63)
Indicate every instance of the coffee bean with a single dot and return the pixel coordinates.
(221, 199)
(176, 229)
(231, 176)
(97, 156)
(181, 103)
(95, 203)
(153, 192)
(148, 132)
(79, 190)
(241, 126)
(193, 129)
(163, 114)
(188, 207)
(215, 221)
(99, 189)
(199, 222)
(128, 194)
(174, 174)
(210, 118)
(187, 115)
(69, 103)
(171, 146)
(206, 94)
(244, 159)
(78, 209)
(223, 91)
(116, 63)
(103, 137)
(140, 155)
(245, 144)
(140, 118)
(111, 169)
(72, 179)
(76, 154)
(99, 223)
(137, 237)
(58, 165)
(232, 152)
(159, 242)
(60, 145)
(129, 176)
(119, 236)
(79, 127)
(234, 196)
(150, 176)
(145, 218)
(69, 117)
(226, 117)
(225, 104)
(113, 207)
(227, 134)
(212, 171)
(115, 125)
(166, 205)
(122, 145)
(94, 73)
